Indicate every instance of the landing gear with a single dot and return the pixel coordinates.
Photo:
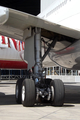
(48, 90)
(39, 88)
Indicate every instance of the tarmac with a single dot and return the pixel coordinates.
(10, 110)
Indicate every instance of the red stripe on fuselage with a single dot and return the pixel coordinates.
(19, 46)
(8, 43)
(13, 64)
(3, 40)
(22, 45)
(15, 43)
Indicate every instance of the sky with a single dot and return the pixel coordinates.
(28, 6)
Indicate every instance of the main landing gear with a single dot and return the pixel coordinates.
(28, 93)
(39, 89)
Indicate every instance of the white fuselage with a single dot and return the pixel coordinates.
(11, 53)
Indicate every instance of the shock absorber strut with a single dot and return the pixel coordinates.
(38, 63)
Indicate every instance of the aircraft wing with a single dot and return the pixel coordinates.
(13, 24)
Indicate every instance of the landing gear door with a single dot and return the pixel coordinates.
(29, 52)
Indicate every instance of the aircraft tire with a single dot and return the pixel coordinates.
(18, 90)
(28, 93)
(58, 92)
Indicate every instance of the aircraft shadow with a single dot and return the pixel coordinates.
(7, 99)
(72, 93)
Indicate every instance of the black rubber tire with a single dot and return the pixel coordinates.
(59, 92)
(19, 88)
(29, 97)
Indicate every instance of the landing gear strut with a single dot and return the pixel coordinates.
(41, 88)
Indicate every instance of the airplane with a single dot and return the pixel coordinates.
(12, 53)
(46, 44)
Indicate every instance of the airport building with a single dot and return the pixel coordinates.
(61, 71)
(64, 74)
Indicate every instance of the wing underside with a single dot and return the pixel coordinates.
(17, 22)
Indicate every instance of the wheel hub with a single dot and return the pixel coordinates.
(52, 93)
(23, 93)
